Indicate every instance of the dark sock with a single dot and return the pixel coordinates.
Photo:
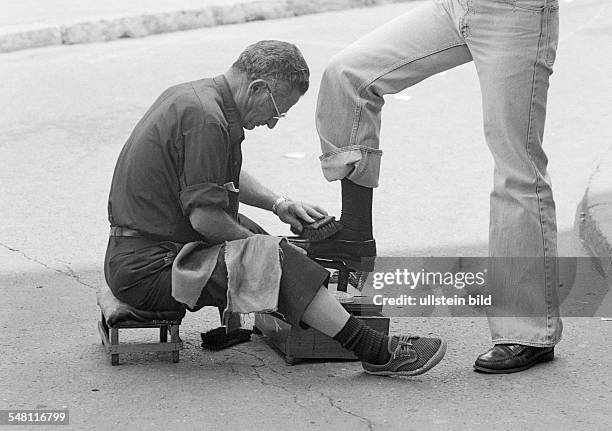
(356, 214)
(366, 343)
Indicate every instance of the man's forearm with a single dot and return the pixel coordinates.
(216, 225)
(255, 194)
(295, 213)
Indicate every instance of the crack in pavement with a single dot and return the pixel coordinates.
(69, 272)
(367, 421)
(595, 205)
(266, 382)
(232, 367)
(329, 399)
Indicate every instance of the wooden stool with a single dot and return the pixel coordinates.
(117, 315)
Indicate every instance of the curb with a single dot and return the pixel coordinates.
(594, 214)
(149, 24)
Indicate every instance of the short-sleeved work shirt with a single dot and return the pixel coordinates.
(182, 154)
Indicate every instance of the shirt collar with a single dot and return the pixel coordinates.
(230, 109)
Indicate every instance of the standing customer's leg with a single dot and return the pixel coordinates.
(399, 54)
(513, 45)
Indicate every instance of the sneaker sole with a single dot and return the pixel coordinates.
(432, 362)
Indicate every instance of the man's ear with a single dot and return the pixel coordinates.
(258, 86)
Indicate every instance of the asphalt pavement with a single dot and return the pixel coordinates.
(67, 111)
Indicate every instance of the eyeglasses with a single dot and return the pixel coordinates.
(278, 115)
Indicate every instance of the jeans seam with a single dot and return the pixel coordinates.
(537, 177)
(403, 62)
(375, 77)
(550, 57)
(356, 121)
(548, 36)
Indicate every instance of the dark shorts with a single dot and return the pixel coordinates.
(139, 273)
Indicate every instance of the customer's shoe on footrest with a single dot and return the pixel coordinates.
(357, 255)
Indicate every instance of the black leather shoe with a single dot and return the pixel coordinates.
(511, 358)
(357, 255)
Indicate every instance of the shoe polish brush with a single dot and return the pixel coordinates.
(320, 229)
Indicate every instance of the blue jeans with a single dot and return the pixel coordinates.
(513, 45)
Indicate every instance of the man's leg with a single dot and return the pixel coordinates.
(137, 271)
(325, 313)
(401, 53)
(514, 46)
(302, 299)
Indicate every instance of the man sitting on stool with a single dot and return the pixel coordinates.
(175, 194)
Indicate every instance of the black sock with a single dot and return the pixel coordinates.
(356, 209)
(366, 343)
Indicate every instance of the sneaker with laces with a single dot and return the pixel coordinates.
(410, 356)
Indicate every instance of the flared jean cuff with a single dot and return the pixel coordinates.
(358, 163)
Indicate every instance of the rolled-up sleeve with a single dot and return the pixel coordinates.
(204, 170)
(203, 194)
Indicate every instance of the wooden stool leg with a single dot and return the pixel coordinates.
(174, 338)
(114, 339)
(163, 334)
(104, 326)
(103, 320)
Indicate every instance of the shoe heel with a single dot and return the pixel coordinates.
(548, 357)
